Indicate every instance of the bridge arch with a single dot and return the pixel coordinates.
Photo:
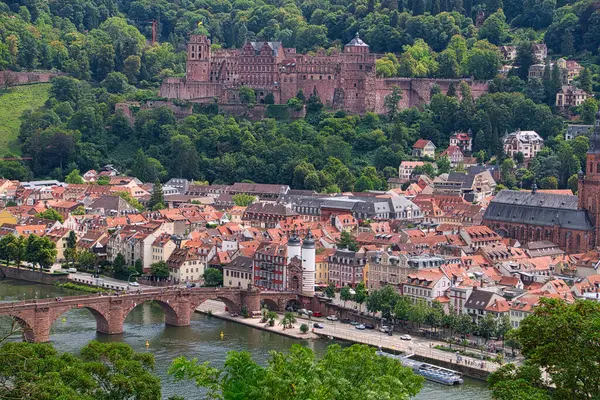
(26, 327)
(231, 304)
(172, 316)
(271, 304)
(103, 324)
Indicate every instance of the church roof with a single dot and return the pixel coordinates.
(357, 42)
(542, 209)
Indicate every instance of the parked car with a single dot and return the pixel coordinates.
(354, 323)
(318, 326)
(317, 314)
(72, 270)
(134, 284)
(346, 321)
(405, 337)
(332, 318)
(384, 329)
(360, 327)
(369, 326)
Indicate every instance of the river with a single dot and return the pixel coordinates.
(201, 340)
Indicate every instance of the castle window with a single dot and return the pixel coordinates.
(320, 76)
(329, 77)
(360, 67)
(355, 85)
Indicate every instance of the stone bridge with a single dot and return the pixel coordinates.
(36, 316)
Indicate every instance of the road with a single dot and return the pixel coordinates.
(103, 281)
(417, 345)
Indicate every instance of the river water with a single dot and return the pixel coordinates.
(201, 340)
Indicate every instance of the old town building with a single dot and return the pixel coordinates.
(572, 222)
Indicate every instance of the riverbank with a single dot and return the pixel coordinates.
(468, 366)
(217, 309)
(28, 275)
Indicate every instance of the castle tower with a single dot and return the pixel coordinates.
(293, 248)
(589, 184)
(308, 265)
(198, 59)
(356, 46)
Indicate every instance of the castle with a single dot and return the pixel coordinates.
(342, 80)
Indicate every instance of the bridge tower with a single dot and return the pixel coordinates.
(308, 265)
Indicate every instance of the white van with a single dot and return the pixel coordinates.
(72, 270)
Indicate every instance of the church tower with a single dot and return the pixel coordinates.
(198, 59)
(589, 184)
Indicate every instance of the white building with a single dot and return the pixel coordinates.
(527, 142)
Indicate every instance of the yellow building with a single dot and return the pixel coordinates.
(322, 269)
(7, 218)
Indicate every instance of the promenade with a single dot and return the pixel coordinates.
(420, 348)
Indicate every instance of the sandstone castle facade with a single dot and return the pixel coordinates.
(343, 80)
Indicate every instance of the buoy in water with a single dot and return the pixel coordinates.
(147, 343)
(63, 320)
(222, 335)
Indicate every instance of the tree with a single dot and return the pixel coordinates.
(40, 251)
(304, 328)
(512, 382)
(314, 104)
(104, 371)
(494, 29)
(347, 373)
(487, 326)
(567, 352)
(525, 58)
(71, 252)
(585, 80)
(132, 202)
(157, 199)
(159, 270)
(74, 177)
(87, 260)
(115, 82)
(243, 199)
(50, 214)
(391, 102)
(121, 271)
(549, 182)
(247, 96)
(347, 241)
(443, 164)
(269, 98)
(589, 108)
(360, 294)
(483, 62)
(573, 183)
(345, 294)
(330, 291)
(213, 277)
(383, 300)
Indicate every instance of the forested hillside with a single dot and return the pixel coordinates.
(104, 46)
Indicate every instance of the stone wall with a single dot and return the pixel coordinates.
(32, 276)
(12, 78)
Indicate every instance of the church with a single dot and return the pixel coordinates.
(572, 222)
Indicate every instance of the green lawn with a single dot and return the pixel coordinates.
(13, 102)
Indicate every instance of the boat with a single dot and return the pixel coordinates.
(430, 372)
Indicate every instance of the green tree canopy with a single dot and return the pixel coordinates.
(349, 374)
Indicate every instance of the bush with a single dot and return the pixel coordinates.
(278, 111)
(244, 312)
(303, 328)
(81, 288)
